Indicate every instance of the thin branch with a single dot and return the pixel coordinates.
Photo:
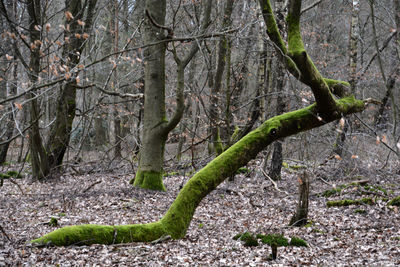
(169, 30)
(273, 182)
(375, 133)
(176, 39)
(4, 233)
(32, 88)
(114, 93)
(384, 45)
(304, 10)
(91, 186)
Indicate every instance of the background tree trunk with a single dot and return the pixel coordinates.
(154, 135)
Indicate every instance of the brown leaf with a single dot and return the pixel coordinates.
(18, 105)
(68, 15)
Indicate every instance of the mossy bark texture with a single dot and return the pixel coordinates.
(177, 219)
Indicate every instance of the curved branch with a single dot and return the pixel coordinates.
(178, 217)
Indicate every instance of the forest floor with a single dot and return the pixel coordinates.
(362, 235)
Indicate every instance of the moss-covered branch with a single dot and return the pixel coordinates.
(297, 60)
(309, 72)
(177, 219)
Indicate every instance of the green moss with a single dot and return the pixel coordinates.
(376, 188)
(394, 202)
(4, 176)
(274, 240)
(249, 239)
(243, 170)
(53, 222)
(297, 242)
(295, 41)
(348, 202)
(332, 82)
(170, 174)
(101, 234)
(297, 167)
(310, 223)
(149, 180)
(360, 211)
(334, 191)
(14, 174)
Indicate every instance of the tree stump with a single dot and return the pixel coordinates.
(300, 216)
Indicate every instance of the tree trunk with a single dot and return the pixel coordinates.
(9, 123)
(155, 125)
(353, 52)
(154, 135)
(39, 159)
(60, 131)
(117, 118)
(277, 157)
(217, 84)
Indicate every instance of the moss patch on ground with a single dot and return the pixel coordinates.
(348, 202)
(394, 202)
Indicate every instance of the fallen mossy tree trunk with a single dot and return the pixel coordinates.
(177, 219)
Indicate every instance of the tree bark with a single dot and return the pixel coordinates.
(353, 52)
(60, 131)
(154, 135)
(39, 159)
(277, 157)
(155, 125)
(217, 85)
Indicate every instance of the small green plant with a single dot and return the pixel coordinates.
(273, 240)
(61, 214)
(53, 222)
(297, 242)
(248, 238)
(201, 225)
(394, 202)
(310, 223)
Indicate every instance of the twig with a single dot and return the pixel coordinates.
(273, 182)
(311, 6)
(372, 130)
(4, 233)
(19, 187)
(161, 239)
(113, 93)
(169, 30)
(90, 186)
